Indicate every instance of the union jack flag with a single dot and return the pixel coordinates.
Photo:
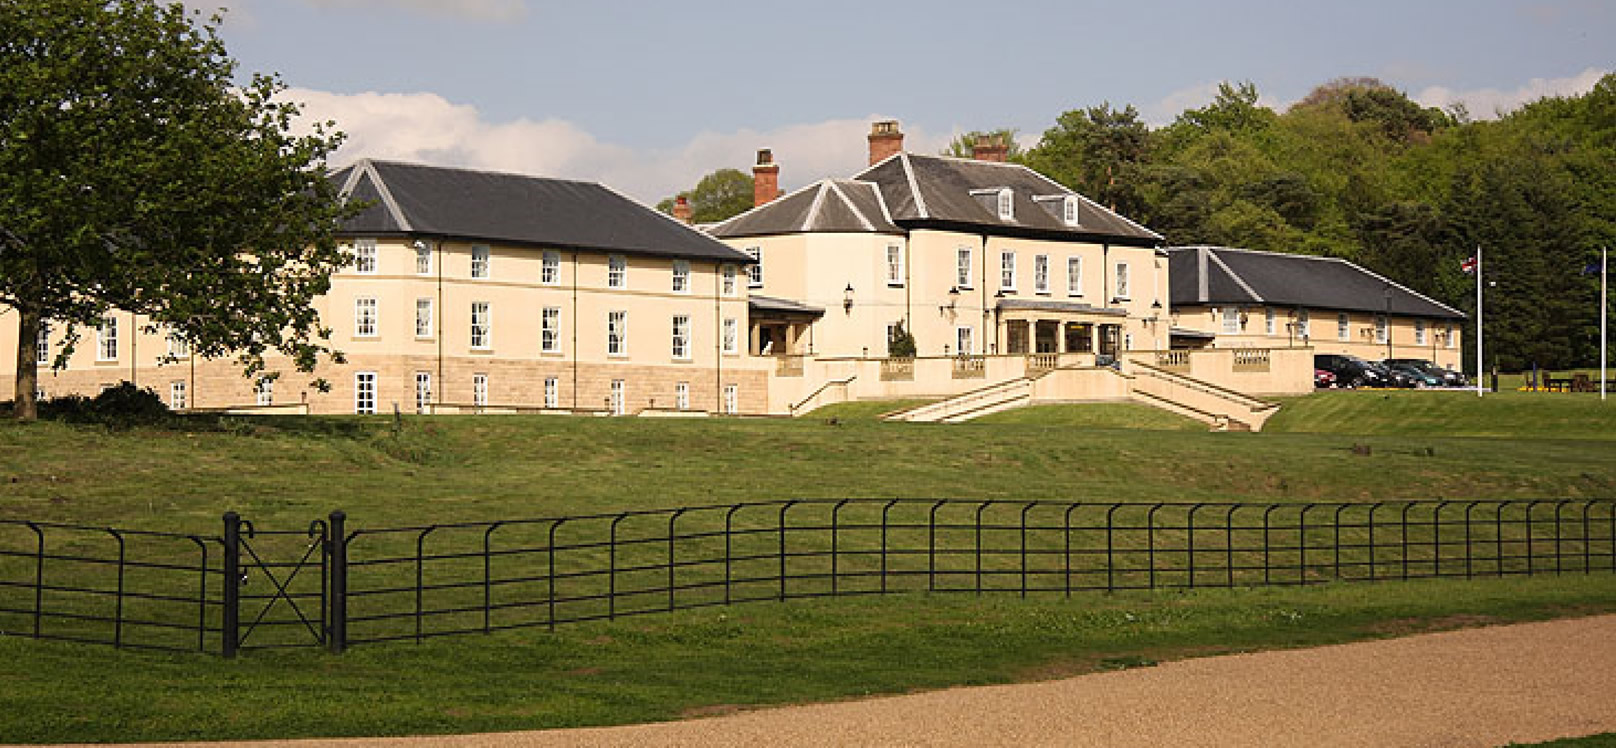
(1471, 264)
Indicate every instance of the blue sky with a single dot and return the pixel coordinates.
(648, 97)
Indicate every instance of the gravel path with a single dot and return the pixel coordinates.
(1474, 687)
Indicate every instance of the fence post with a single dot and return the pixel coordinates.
(337, 549)
(232, 590)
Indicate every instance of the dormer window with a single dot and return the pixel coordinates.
(1004, 204)
(1071, 210)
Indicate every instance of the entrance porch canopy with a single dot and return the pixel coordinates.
(1040, 326)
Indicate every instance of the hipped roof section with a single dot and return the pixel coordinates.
(1227, 276)
(432, 201)
(908, 191)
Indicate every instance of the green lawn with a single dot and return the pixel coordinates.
(282, 473)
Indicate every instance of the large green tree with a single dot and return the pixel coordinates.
(138, 175)
(719, 195)
(1098, 152)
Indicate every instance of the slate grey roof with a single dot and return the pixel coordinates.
(827, 206)
(941, 190)
(420, 200)
(1223, 275)
(757, 303)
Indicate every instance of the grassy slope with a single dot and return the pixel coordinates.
(283, 473)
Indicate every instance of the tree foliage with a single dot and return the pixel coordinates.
(719, 195)
(1358, 170)
(139, 176)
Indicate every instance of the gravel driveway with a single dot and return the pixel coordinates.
(1475, 687)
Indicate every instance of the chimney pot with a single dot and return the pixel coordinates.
(884, 141)
(682, 210)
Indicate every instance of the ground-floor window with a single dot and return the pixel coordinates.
(551, 392)
(177, 394)
(729, 401)
(480, 390)
(365, 392)
(683, 395)
(424, 391)
(265, 392)
(616, 397)
(964, 341)
(1077, 337)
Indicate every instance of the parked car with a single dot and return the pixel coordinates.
(1451, 378)
(1393, 378)
(1350, 371)
(1325, 378)
(1422, 377)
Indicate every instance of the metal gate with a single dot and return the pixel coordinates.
(281, 595)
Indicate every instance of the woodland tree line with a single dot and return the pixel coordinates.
(1358, 170)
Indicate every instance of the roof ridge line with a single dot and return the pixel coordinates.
(1237, 279)
(851, 205)
(1446, 307)
(815, 206)
(387, 195)
(911, 180)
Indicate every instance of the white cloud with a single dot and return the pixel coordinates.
(1490, 103)
(475, 10)
(426, 128)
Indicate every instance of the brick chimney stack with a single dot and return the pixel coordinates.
(765, 174)
(682, 210)
(884, 141)
(990, 148)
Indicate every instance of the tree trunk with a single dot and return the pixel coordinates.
(24, 405)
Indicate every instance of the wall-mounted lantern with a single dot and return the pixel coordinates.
(849, 297)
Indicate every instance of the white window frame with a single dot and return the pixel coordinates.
(616, 397)
(1004, 204)
(683, 396)
(42, 344)
(756, 269)
(481, 326)
(1304, 324)
(551, 268)
(728, 401)
(728, 280)
(424, 391)
(365, 392)
(424, 259)
(1122, 281)
(177, 394)
(894, 263)
(1381, 331)
(1009, 270)
(1420, 332)
(964, 334)
(365, 317)
(107, 339)
(618, 271)
(551, 329)
(1344, 326)
(680, 277)
(1043, 273)
(179, 347)
(1071, 210)
(1451, 337)
(617, 340)
(680, 341)
(1231, 320)
(424, 317)
(365, 256)
(480, 390)
(964, 267)
(550, 392)
(478, 267)
(1076, 277)
(728, 337)
(1271, 321)
(264, 391)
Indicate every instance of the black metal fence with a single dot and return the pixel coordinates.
(327, 587)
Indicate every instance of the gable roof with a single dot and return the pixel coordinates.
(1223, 275)
(416, 199)
(937, 189)
(827, 206)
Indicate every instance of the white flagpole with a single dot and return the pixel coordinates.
(1603, 331)
(1479, 321)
